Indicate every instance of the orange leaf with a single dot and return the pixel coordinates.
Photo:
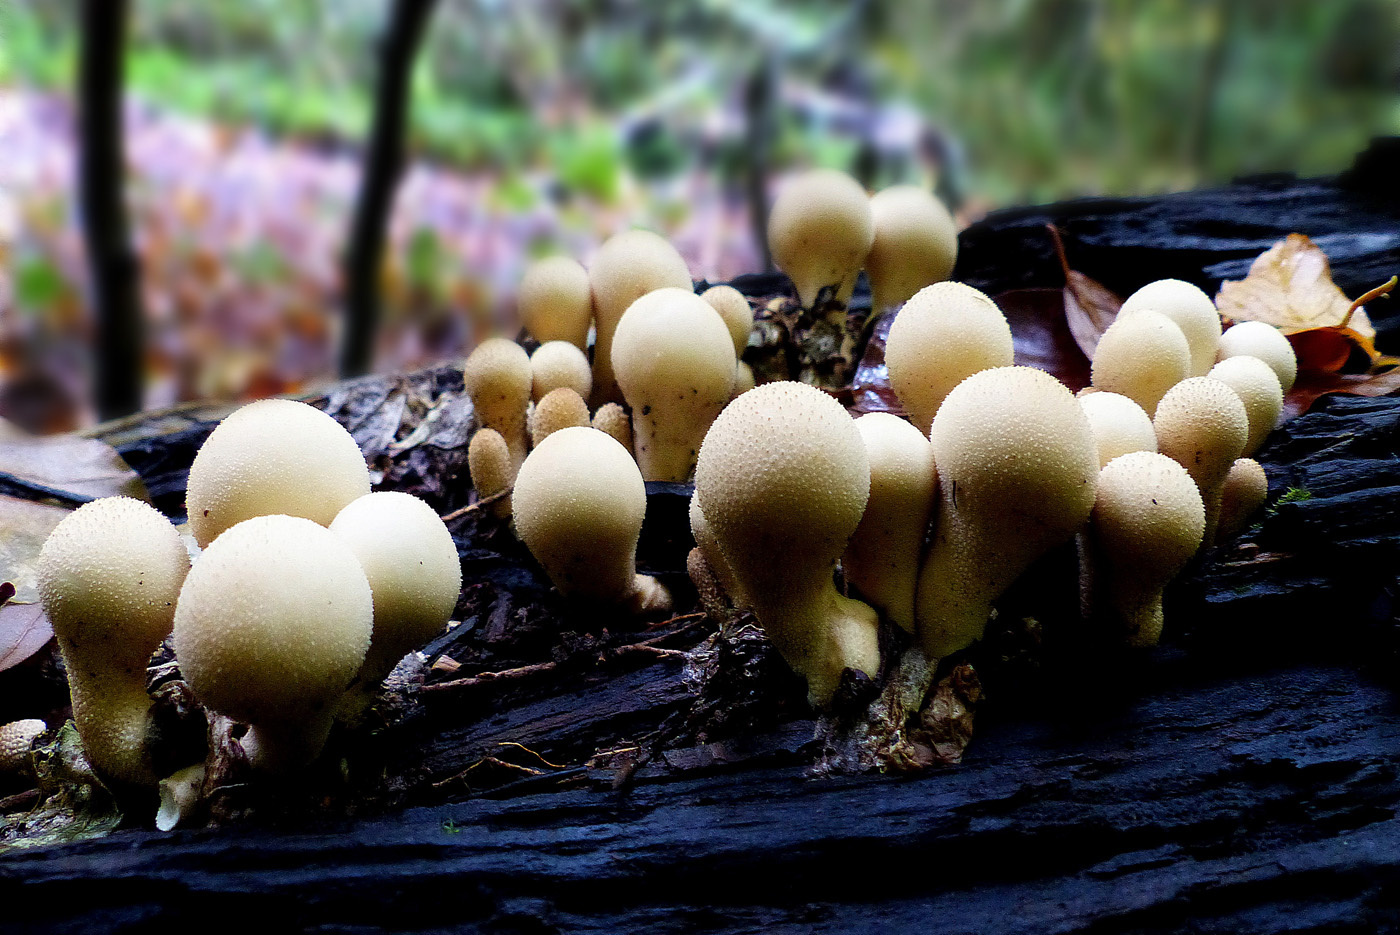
(1290, 287)
(1312, 386)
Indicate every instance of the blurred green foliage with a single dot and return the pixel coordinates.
(1047, 98)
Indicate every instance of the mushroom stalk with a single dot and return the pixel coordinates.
(111, 710)
(286, 746)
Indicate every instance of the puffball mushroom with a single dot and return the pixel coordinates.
(1119, 425)
(627, 267)
(488, 462)
(736, 312)
(884, 554)
(944, 334)
(1141, 356)
(109, 575)
(555, 301)
(674, 360)
(783, 478)
(559, 363)
(613, 420)
(819, 233)
(271, 628)
(414, 575)
(1259, 390)
(560, 409)
(1246, 488)
(708, 545)
(16, 738)
(273, 456)
(1264, 341)
(579, 505)
(498, 379)
(1016, 469)
(916, 243)
(1202, 425)
(1147, 522)
(1190, 309)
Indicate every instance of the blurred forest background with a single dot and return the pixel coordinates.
(546, 125)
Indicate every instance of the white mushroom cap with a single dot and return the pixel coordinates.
(273, 456)
(674, 360)
(1202, 425)
(1246, 488)
(559, 363)
(555, 301)
(498, 379)
(1119, 425)
(736, 312)
(944, 334)
(1259, 390)
(820, 231)
(916, 243)
(1262, 340)
(627, 267)
(1141, 356)
(271, 628)
(1190, 309)
(414, 575)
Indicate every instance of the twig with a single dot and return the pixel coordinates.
(1382, 290)
(472, 508)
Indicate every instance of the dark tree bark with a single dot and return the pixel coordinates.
(115, 273)
(384, 162)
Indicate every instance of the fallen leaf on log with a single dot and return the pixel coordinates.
(1089, 306)
(1041, 335)
(69, 464)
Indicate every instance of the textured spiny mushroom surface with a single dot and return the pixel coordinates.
(1245, 490)
(1202, 425)
(944, 334)
(273, 456)
(109, 577)
(627, 267)
(559, 363)
(915, 245)
(555, 301)
(613, 420)
(16, 738)
(498, 379)
(1258, 388)
(1119, 425)
(674, 360)
(1016, 470)
(560, 409)
(819, 232)
(488, 462)
(1264, 341)
(272, 626)
(1141, 356)
(1190, 309)
(784, 478)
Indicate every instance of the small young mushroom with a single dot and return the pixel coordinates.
(488, 462)
(109, 575)
(1261, 339)
(579, 504)
(1246, 488)
(273, 456)
(819, 232)
(1016, 469)
(736, 312)
(1259, 390)
(743, 379)
(627, 267)
(1190, 309)
(559, 363)
(555, 301)
(560, 409)
(783, 478)
(674, 360)
(612, 420)
(497, 377)
(944, 334)
(916, 244)
(1141, 356)
(16, 738)
(271, 628)
(414, 575)
(1202, 425)
(884, 554)
(1119, 425)
(708, 545)
(1147, 522)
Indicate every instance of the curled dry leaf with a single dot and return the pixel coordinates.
(1089, 306)
(1041, 335)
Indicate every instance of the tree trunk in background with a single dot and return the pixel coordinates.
(760, 95)
(115, 273)
(384, 160)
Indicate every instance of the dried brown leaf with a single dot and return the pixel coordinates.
(1290, 287)
(1089, 306)
(70, 463)
(1041, 335)
(24, 630)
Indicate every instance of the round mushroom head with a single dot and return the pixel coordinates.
(1246, 488)
(1202, 425)
(736, 312)
(1119, 425)
(944, 334)
(498, 379)
(560, 409)
(273, 456)
(273, 621)
(674, 360)
(1190, 309)
(916, 244)
(820, 231)
(16, 738)
(628, 266)
(555, 301)
(614, 421)
(1141, 356)
(488, 462)
(559, 363)
(1264, 341)
(1259, 390)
